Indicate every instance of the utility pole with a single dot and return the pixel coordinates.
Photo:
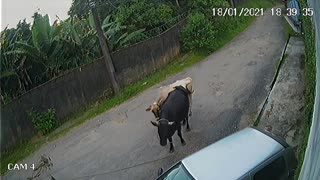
(104, 47)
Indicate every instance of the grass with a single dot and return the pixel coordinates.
(256, 122)
(288, 29)
(24, 149)
(310, 82)
(258, 4)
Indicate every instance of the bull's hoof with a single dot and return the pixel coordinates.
(171, 151)
(188, 129)
(190, 114)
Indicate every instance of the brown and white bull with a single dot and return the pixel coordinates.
(164, 91)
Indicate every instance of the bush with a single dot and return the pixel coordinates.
(198, 33)
(44, 122)
(143, 14)
(206, 6)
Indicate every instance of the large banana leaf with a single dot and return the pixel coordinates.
(131, 36)
(7, 73)
(41, 31)
(25, 49)
(106, 22)
(91, 21)
(55, 31)
(72, 33)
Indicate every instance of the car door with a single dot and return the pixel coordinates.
(274, 168)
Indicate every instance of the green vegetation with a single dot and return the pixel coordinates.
(80, 8)
(21, 151)
(117, 35)
(43, 122)
(34, 54)
(288, 29)
(310, 81)
(144, 14)
(205, 6)
(206, 32)
(25, 148)
(198, 25)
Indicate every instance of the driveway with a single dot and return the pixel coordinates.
(230, 85)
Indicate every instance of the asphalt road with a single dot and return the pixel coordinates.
(230, 85)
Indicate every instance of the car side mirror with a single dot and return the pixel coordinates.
(160, 171)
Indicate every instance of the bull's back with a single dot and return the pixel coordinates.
(176, 106)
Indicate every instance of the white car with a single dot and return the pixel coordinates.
(250, 154)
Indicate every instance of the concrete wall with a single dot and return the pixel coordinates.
(82, 86)
(134, 63)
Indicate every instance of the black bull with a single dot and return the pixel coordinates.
(174, 110)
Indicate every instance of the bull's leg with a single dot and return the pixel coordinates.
(184, 121)
(190, 104)
(171, 145)
(188, 126)
(183, 142)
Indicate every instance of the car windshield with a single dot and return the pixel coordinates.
(177, 172)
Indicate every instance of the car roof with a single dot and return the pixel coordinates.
(233, 156)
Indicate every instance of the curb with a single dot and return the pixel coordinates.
(262, 106)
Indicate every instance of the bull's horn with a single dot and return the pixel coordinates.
(149, 108)
(155, 123)
(170, 123)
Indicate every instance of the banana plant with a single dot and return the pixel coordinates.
(14, 73)
(79, 42)
(44, 47)
(118, 35)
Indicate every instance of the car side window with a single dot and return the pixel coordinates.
(276, 170)
(177, 172)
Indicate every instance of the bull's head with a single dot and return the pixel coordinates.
(155, 109)
(163, 126)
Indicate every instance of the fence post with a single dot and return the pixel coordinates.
(105, 49)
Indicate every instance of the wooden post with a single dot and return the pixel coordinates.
(105, 49)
